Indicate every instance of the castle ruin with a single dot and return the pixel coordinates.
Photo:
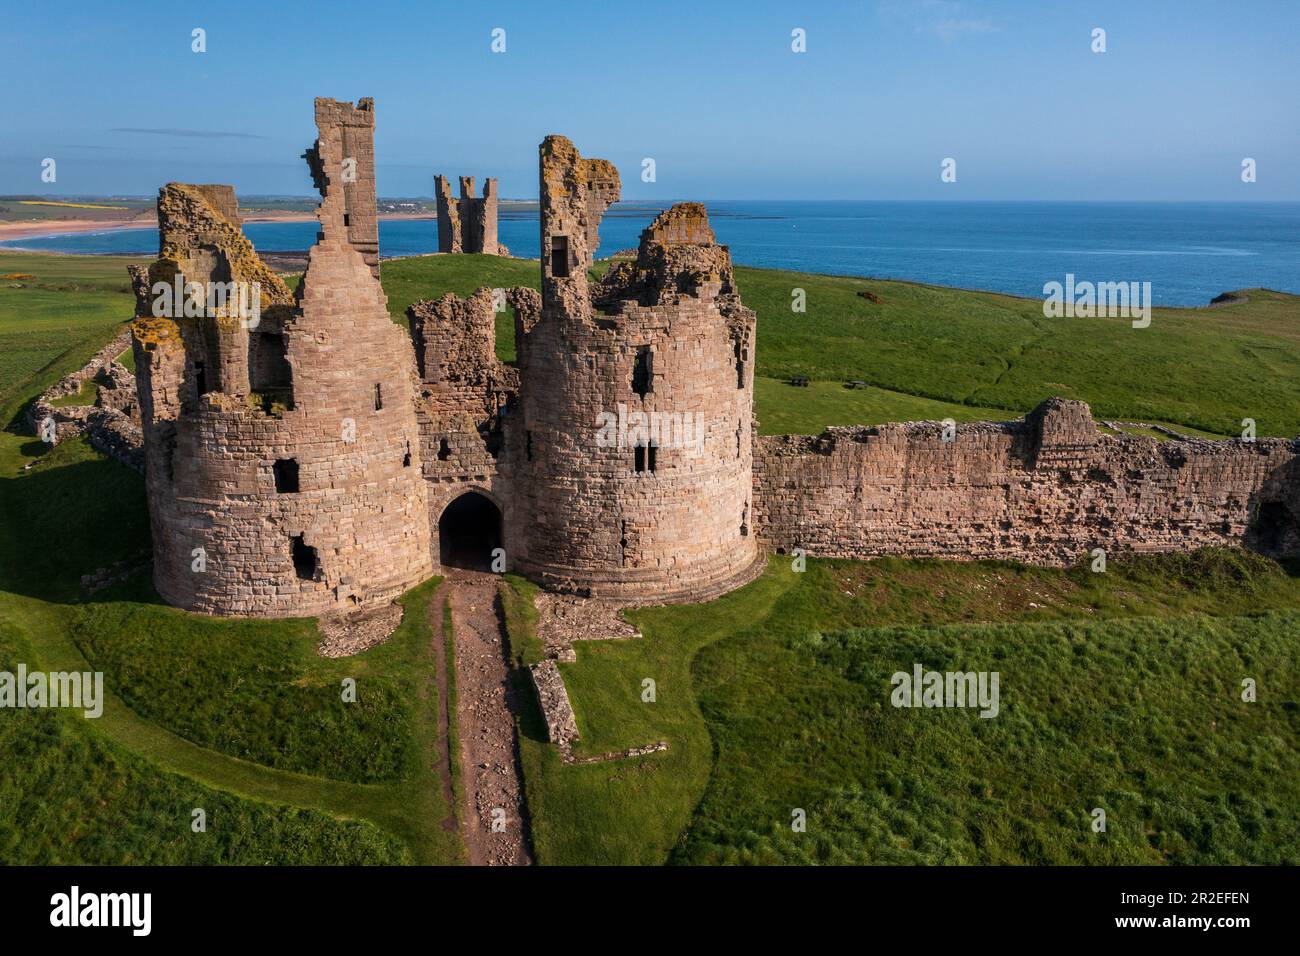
(317, 459)
(467, 224)
(282, 453)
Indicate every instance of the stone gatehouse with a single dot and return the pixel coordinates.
(311, 457)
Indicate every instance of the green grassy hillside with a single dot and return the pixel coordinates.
(1119, 689)
(925, 351)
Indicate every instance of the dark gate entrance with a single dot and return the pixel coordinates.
(1276, 529)
(468, 531)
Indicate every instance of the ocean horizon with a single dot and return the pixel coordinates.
(1188, 251)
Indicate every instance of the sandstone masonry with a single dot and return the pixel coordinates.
(282, 455)
(642, 517)
(467, 224)
(1045, 490)
(316, 460)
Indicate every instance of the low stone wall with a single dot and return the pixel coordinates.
(561, 726)
(1045, 490)
(112, 422)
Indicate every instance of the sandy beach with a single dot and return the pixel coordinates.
(36, 229)
(33, 229)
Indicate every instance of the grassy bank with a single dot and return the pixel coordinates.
(236, 715)
(1120, 690)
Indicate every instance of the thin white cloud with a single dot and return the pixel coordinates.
(945, 19)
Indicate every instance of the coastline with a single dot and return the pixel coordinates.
(14, 230)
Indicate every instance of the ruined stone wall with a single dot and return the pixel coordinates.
(464, 397)
(574, 195)
(468, 223)
(303, 493)
(1044, 490)
(111, 421)
(350, 132)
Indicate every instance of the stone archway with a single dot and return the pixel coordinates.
(468, 531)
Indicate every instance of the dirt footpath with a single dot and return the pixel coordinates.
(495, 816)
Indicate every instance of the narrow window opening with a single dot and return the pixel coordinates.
(406, 459)
(347, 219)
(560, 257)
(286, 476)
(622, 543)
(643, 371)
(379, 396)
(528, 445)
(644, 457)
(444, 449)
(200, 378)
(305, 562)
(744, 521)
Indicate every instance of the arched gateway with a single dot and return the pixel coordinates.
(468, 531)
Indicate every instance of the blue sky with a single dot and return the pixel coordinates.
(711, 91)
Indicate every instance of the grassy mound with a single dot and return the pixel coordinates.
(70, 796)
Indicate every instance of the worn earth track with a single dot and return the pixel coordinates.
(496, 819)
(444, 756)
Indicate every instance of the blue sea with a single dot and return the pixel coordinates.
(1189, 252)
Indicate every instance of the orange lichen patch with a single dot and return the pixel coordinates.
(17, 275)
(151, 332)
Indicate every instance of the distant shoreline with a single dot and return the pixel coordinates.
(49, 228)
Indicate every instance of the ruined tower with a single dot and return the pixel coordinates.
(635, 405)
(349, 131)
(282, 453)
(467, 224)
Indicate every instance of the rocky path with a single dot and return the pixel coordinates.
(495, 816)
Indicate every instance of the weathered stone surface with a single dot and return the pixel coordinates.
(467, 224)
(1044, 490)
(309, 456)
(349, 132)
(282, 456)
(112, 423)
(561, 725)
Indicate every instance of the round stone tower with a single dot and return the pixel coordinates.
(634, 468)
(281, 446)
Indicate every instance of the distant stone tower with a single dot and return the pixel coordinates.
(282, 451)
(349, 131)
(467, 224)
(608, 507)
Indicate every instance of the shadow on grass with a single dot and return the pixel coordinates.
(74, 513)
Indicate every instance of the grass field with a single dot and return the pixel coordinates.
(1119, 691)
(51, 324)
(245, 708)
